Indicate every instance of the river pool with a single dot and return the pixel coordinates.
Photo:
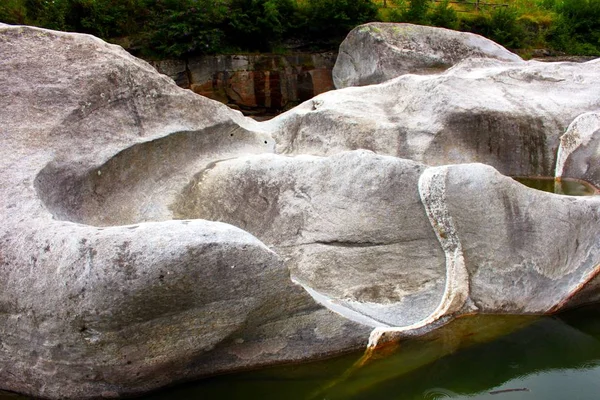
(481, 357)
(476, 357)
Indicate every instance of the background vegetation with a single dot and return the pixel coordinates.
(180, 28)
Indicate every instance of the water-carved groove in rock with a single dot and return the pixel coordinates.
(432, 190)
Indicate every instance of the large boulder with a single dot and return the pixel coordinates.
(377, 52)
(93, 306)
(507, 115)
(393, 244)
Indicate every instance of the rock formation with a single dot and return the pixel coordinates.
(580, 150)
(507, 115)
(377, 52)
(255, 83)
(92, 137)
(150, 235)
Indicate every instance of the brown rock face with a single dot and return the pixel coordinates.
(265, 83)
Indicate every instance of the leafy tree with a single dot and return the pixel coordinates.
(258, 24)
(179, 28)
(333, 19)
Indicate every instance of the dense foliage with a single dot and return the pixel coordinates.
(179, 28)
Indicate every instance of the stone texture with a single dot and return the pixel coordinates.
(377, 52)
(522, 258)
(580, 150)
(491, 249)
(91, 310)
(507, 115)
(336, 223)
(114, 282)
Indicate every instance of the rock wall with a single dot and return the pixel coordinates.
(254, 83)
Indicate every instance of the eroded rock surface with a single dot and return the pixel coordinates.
(507, 115)
(377, 52)
(114, 281)
(342, 242)
(93, 137)
(580, 150)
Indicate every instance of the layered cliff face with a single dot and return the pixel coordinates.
(149, 235)
(256, 84)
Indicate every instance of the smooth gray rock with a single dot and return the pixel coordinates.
(507, 115)
(91, 141)
(399, 246)
(530, 250)
(350, 227)
(112, 285)
(579, 152)
(377, 52)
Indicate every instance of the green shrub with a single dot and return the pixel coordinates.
(476, 23)
(505, 28)
(259, 24)
(444, 15)
(536, 29)
(417, 12)
(501, 25)
(577, 26)
(333, 19)
(398, 12)
(180, 28)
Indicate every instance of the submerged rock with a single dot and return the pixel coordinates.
(114, 281)
(377, 52)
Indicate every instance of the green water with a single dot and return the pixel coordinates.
(571, 187)
(482, 357)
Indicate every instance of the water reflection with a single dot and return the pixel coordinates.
(549, 359)
(571, 187)
(481, 357)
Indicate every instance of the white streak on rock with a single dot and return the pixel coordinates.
(340, 309)
(432, 189)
